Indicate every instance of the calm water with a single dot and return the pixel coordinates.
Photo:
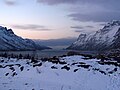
(39, 54)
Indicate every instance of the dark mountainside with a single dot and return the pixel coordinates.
(10, 41)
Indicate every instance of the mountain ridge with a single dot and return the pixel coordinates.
(106, 38)
(10, 41)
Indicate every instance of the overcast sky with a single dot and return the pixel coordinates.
(52, 19)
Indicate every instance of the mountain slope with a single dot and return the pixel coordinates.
(10, 41)
(103, 39)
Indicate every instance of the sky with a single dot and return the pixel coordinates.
(55, 19)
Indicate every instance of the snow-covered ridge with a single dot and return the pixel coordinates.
(103, 39)
(10, 41)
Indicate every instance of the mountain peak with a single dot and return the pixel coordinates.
(10, 31)
(112, 24)
(82, 36)
(115, 22)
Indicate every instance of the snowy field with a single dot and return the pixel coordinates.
(71, 73)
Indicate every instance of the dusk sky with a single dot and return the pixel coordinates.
(53, 19)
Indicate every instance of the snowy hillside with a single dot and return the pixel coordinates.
(103, 39)
(10, 41)
(70, 73)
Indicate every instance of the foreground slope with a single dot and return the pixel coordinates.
(104, 39)
(71, 73)
(10, 41)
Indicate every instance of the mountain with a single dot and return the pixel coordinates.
(56, 43)
(106, 38)
(10, 41)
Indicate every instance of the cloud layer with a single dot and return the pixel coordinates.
(10, 2)
(31, 27)
(90, 10)
(85, 10)
(54, 2)
(96, 17)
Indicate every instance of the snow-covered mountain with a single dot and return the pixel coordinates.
(104, 39)
(10, 41)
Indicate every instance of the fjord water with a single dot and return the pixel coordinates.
(39, 54)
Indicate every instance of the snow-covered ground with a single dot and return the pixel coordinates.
(75, 74)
